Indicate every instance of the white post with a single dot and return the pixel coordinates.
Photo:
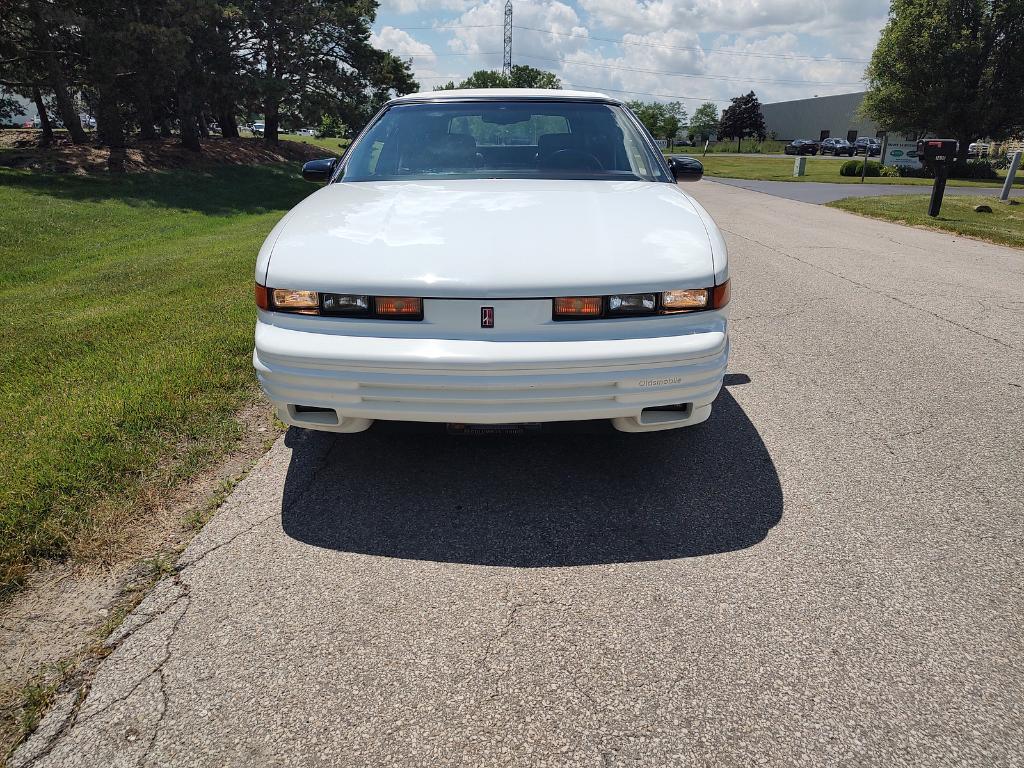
(799, 166)
(1010, 173)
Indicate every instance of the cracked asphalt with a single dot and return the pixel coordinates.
(828, 572)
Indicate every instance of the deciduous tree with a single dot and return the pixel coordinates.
(704, 121)
(522, 76)
(301, 50)
(951, 67)
(743, 118)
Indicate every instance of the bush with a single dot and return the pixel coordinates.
(854, 168)
(974, 169)
(331, 128)
(889, 172)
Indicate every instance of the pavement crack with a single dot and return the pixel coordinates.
(877, 291)
(74, 718)
(185, 597)
(328, 455)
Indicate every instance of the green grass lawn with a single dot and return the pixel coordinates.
(126, 310)
(1004, 225)
(818, 169)
(333, 146)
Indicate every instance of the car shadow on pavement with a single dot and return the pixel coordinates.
(535, 501)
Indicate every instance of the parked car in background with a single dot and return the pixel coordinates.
(978, 149)
(867, 145)
(258, 128)
(306, 132)
(446, 274)
(837, 147)
(802, 147)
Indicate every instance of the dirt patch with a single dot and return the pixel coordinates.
(51, 633)
(19, 149)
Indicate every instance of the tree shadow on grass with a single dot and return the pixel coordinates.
(218, 191)
(539, 501)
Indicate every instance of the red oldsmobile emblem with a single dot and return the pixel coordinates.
(486, 317)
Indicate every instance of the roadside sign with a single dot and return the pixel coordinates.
(902, 153)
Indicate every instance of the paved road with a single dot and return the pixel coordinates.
(824, 192)
(827, 573)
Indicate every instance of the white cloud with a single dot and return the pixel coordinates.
(482, 29)
(402, 44)
(698, 49)
(740, 16)
(403, 7)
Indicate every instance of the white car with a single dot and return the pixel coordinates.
(495, 260)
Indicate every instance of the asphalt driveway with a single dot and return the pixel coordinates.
(828, 572)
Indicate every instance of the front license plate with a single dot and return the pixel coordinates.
(493, 429)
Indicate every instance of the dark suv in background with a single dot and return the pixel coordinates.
(865, 144)
(801, 147)
(837, 147)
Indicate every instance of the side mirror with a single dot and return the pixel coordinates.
(686, 168)
(319, 170)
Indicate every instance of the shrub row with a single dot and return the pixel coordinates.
(972, 169)
(856, 167)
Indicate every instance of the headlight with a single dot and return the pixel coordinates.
(640, 304)
(688, 299)
(291, 300)
(345, 304)
(339, 304)
(632, 304)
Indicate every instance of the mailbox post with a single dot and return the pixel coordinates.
(939, 153)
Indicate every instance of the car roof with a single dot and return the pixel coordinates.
(499, 94)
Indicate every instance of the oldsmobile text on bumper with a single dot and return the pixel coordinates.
(342, 383)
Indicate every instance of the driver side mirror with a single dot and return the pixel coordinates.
(686, 168)
(319, 170)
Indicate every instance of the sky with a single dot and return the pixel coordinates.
(654, 50)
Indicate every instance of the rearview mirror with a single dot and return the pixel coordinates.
(686, 168)
(319, 170)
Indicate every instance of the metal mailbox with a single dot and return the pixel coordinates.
(937, 150)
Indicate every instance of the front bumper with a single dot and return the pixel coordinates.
(361, 378)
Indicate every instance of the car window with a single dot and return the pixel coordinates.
(499, 139)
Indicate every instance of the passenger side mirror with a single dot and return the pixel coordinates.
(686, 168)
(319, 170)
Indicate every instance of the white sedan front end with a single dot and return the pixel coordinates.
(493, 293)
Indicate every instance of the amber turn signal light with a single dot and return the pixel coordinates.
(720, 295)
(262, 297)
(578, 306)
(399, 306)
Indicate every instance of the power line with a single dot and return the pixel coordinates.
(687, 74)
(449, 26)
(429, 55)
(600, 88)
(577, 62)
(724, 51)
(728, 51)
(613, 90)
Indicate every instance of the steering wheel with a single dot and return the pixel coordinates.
(565, 159)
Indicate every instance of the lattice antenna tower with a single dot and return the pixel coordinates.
(506, 65)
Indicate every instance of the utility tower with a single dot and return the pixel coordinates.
(506, 65)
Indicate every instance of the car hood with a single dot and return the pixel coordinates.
(493, 238)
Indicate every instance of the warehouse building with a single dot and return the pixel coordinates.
(819, 118)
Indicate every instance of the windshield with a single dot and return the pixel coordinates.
(503, 139)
